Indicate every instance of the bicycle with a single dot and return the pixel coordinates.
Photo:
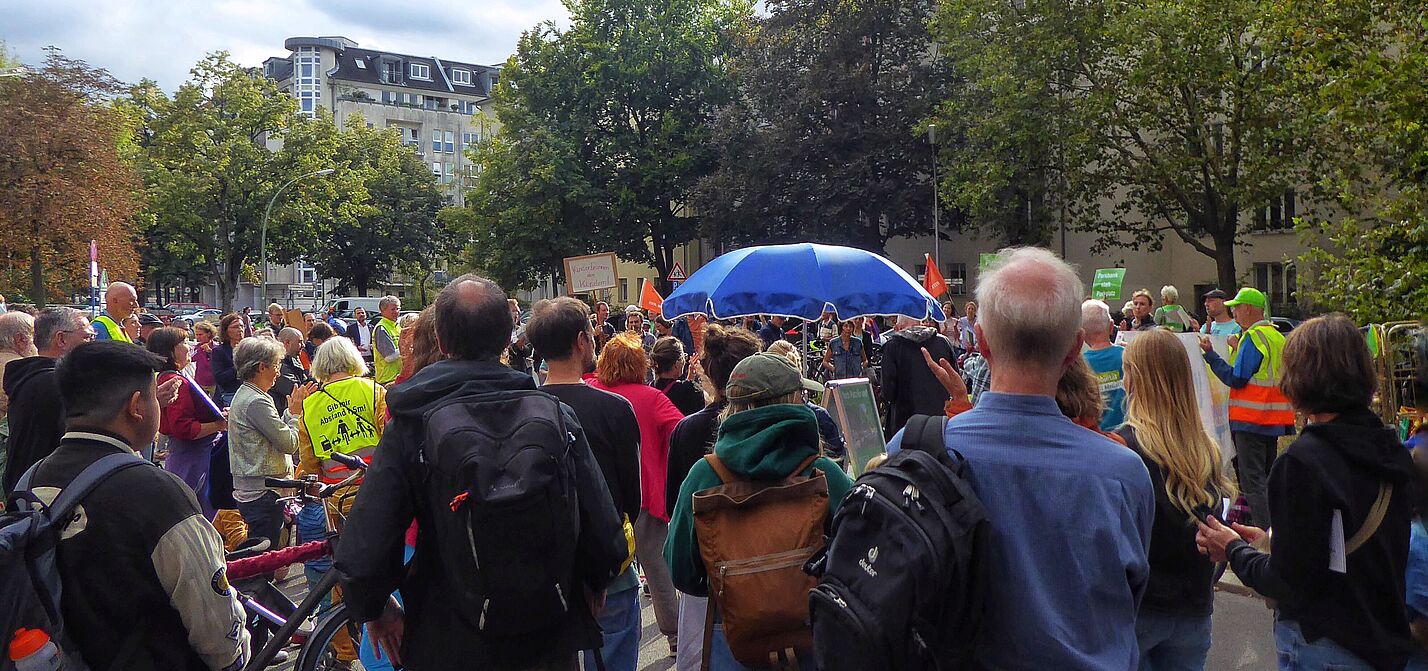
(277, 629)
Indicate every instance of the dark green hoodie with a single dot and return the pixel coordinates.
(763, 444)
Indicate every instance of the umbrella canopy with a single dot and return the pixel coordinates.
(801, 280)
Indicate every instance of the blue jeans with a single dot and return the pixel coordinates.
(367, 653)
(1172, 642)
(1297, 654)
(620, 623)
(722, 659)
(264, 516)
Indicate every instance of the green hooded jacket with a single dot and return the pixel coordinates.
(763, 444)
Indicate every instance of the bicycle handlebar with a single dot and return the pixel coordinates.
(283, 483)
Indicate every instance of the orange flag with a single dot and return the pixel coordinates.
(650, 299)
(932, 280)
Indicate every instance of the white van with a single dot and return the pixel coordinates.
(347, 304)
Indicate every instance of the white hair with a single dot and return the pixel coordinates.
(1029, 306)
(254, 351)
(16, 325)
(388, 300)
(1095, 316)
(289, 334)
(337, 355)
(1170, 293)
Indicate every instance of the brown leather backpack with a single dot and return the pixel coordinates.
(754, 538)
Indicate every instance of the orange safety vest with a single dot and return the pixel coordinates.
(1261, 402)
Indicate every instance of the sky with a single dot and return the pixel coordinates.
(163, 39)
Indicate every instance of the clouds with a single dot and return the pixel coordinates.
(162, 39)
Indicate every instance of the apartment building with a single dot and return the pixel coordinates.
(434, 104)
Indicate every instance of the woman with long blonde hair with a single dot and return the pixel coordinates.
(1163, 426)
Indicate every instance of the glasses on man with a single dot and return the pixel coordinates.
(87, 333)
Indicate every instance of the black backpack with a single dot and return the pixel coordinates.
(502, 466)
(903, 584)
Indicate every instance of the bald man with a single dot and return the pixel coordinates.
(120, 301)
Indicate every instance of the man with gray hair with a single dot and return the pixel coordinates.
(386, 339)
(36, 413)
(17, 341)
(1070, 511)
(1104, 357)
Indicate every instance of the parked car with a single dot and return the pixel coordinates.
(1285, 324)
(207, 315)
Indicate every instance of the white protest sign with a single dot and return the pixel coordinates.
(1212, 397)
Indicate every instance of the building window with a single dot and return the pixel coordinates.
(436, 141)
(1279, 214)
(361, 64)
(448, 174)
(392, 72)
(624, 290)
(469, 140)
(450, 142)
(1280, 283)
(420, 71)
(956, 277)
(436, 170)
(461, 77)
(307, 79)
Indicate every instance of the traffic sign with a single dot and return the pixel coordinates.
(676, 274)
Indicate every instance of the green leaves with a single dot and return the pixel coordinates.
(603, 132)
(826, 139)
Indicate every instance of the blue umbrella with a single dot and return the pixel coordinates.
(801, 280)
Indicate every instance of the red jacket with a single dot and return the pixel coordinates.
(657, 417)
(181, 419)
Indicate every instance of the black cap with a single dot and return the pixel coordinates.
(146, 319)
(1216, 293)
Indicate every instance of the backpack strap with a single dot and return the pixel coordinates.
(84, 483)
(804, 465)
(726, 476)
(1375, 518)
(925, 434)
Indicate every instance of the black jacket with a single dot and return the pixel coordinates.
(1338, 466)
(907, 385)
(1181, 579)
(36, 414)
(145, 569)
(692, 438)
(684, 394)
(396, 489)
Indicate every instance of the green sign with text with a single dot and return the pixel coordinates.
(1107, 284)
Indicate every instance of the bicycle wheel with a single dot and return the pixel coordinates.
(325, 650)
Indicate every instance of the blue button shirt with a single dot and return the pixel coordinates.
(1070, 515)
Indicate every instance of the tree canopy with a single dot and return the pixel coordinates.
(826, 138)
(210, 173)
(65, 178)
(1129, 120)
(603, 133)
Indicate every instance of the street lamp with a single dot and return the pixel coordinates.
(936, 205)
(263, 236)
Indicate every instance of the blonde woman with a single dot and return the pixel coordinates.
(1163, 427)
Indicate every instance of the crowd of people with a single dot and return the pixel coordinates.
(531, 475)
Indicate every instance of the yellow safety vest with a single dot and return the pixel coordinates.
(114, 331)
(341, 417)
(387, 371)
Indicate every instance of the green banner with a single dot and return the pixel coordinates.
(1107, 285)
(985, 260)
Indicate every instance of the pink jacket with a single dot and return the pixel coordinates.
(657, 417)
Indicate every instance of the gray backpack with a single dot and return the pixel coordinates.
(30, 533)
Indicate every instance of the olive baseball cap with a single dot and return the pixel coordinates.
(764, 376)
(1249, 296)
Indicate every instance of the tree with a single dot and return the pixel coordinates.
(1178, 114)
(64, 180)
(211, 175)
(826, 140)
(394, 221)
(1362, 64)
(604, 131)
